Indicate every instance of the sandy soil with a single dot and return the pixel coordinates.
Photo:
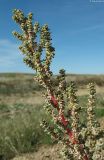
(44, 153)
(36, 98)
(32, 99)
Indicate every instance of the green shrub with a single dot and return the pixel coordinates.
(19, 129)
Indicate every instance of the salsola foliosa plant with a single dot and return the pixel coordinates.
(80, 142)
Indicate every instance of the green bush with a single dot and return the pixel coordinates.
(19, 129)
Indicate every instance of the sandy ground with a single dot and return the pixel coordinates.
(32, 99)
(44, 153)
(99, 90)
(36, 98)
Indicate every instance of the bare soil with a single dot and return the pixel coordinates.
(44, 153)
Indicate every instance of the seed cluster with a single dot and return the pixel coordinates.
(79, 142)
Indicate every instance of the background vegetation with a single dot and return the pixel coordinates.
(21, 110)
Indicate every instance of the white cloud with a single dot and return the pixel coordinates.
(7, 43)
(10, 57)
(90, 28)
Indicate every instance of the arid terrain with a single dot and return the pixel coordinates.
(21, 110)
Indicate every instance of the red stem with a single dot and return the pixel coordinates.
(54, 102)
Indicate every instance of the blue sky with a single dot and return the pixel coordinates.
(77, 28)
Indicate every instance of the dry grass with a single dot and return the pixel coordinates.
(21, 89)
(44, 153)
(47, 152)
(84, 91)
(34, 99)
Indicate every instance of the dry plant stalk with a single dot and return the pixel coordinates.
(79, 142)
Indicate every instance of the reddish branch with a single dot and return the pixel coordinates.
(64, 122)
